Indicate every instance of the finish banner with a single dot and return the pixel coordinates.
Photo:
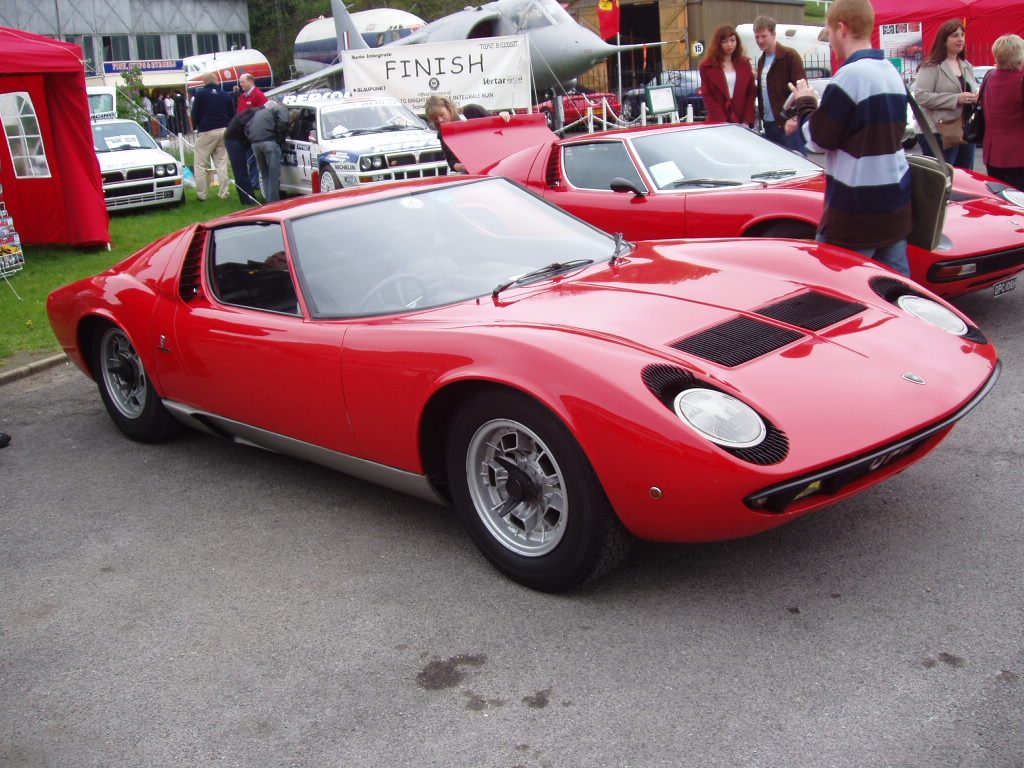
(493, 72)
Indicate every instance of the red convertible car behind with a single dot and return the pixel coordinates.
(463, 341)
(714, 180)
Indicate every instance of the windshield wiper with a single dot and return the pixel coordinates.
(779, 173)
(397, 128)
(706, 183)
(551, 269)
(621, 246)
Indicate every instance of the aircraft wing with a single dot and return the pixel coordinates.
(470, 23)
(482, 142)
(331, 77)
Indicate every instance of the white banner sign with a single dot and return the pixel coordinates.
(493, 72)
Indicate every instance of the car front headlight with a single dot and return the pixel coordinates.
(160, 170)
(932, 313)
(720, 418)
(378, 161)
(172, 169)
(371, 161)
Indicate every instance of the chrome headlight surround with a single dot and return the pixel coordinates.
(1012, 196)
(932, 313)
(719, 417)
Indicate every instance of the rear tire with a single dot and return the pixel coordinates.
(527, 495)
(126, 390)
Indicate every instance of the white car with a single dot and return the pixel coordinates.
(342, 141)
(136, 171)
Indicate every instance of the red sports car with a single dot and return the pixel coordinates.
(719, 180)
(422, 336)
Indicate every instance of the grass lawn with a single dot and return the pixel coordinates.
(814, 12)
(25, 327)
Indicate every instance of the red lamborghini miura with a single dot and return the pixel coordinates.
(713, 180)
(463, 341)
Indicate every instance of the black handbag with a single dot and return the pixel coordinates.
(931, 182)
(974, 126)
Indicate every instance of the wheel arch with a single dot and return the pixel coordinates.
(758, 228)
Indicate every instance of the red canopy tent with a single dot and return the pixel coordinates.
(64, 205)
(985, 20)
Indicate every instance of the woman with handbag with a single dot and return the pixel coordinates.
(727, 80)
(945, 85)
(1003, 102)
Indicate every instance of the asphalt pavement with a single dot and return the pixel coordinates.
(198, 603)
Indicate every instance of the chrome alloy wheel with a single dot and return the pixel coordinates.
(123, 373)
(517, 487)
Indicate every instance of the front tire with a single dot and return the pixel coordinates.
(527, 495)
(329, 181)
(126, 390)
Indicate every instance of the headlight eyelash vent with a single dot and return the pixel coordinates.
(667, 381)
(891, 288)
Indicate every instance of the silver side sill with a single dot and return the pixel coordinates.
(244, 434)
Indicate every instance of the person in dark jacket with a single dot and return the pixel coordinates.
(777, 67)
(212, 110)
(239, 152)
(266, 132)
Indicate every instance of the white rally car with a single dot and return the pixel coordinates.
(336, 141)
(136, 171)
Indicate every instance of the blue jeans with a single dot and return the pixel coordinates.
(237, 152)
(961, 156)
(776, 133)
(268, 158)
(893, 256)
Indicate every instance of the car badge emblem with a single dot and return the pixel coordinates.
(913, 378)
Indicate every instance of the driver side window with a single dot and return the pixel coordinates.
(593, 166)
(248, 268)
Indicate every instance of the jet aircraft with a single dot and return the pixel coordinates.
(560, 48)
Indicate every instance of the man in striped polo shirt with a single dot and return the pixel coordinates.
(859, 125)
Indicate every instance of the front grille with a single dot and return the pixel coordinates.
(131, 190)
(402, 159)
(129, 174)
(667, 381)
(986, 264)
(737, 341)
(812, 310)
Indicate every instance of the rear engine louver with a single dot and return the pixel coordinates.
(891, 288)
(736, 341)
(812, 310)
(552, 177)
(190, 282)
(667, 381)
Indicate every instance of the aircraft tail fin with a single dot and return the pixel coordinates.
(349, 38)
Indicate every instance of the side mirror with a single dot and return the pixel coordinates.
(619, 184)
(165, 144)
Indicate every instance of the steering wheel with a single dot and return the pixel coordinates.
(404, 288)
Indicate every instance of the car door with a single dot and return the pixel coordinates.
(298, 160)
(239, 345)
(588, 168)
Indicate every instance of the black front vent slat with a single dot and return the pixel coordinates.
(812, 311)
(191, 280)
(667, 381)
(737, 341)
(551, 174)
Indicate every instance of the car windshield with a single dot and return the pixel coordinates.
(120, 136)
(435, 247)
(718, 153)
(349, 119)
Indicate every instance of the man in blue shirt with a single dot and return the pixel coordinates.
(212, 110)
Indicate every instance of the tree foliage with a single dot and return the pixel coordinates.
(128, 105)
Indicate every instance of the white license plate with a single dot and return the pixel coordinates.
(1004, 286)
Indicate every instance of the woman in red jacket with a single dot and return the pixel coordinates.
(1002, 97)
(727, 80)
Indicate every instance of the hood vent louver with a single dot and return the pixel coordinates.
(812, 310)
(191, 281)
(736, 341)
